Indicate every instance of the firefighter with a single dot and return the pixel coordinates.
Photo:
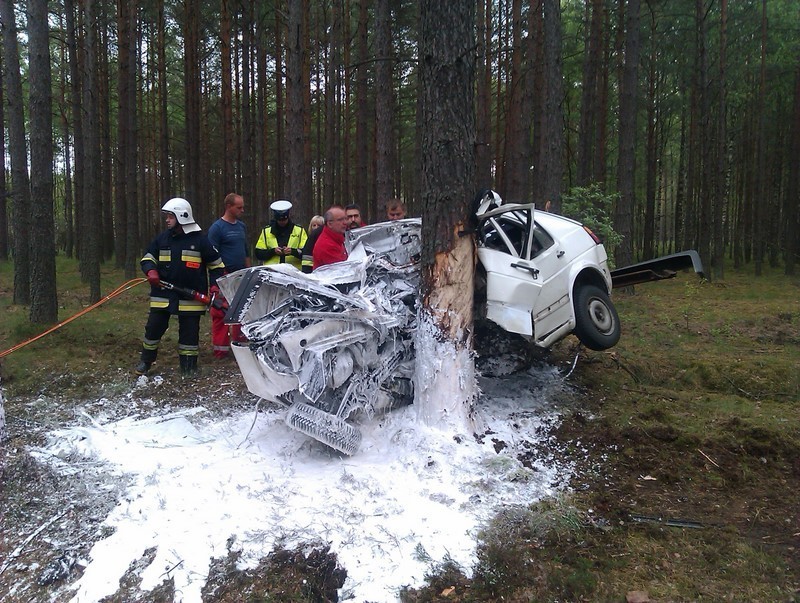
(183, 256)
(282, 241)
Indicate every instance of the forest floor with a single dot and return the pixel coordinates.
(685, 439)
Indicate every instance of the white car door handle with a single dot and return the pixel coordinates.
(560, 254)
(534, 272)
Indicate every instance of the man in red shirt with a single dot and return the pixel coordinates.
(329, 247)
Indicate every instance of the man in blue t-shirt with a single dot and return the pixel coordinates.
(229, 236)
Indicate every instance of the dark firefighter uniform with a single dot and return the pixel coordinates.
(187, 260)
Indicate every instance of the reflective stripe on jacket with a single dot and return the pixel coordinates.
(186, 260)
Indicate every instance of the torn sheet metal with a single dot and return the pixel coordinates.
(337, 342)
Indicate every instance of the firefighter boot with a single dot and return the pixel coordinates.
(188, 365)
(142, 368)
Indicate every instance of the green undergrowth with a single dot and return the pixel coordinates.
(688, 492)
(83, 356)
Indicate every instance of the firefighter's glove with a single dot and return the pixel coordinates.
(153, 278)
(218, 301)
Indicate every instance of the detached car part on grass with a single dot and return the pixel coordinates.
(339, 342)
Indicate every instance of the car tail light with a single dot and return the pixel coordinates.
(595, 238)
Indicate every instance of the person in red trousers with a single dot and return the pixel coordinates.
(229, 235)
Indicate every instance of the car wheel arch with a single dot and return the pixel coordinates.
(587, 275)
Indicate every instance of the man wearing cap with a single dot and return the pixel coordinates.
(282, 241)
(329, 248)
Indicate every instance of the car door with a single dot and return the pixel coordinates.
(527, 283)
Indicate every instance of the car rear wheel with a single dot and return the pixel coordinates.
(596, 319)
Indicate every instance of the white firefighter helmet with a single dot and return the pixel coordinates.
(183, 212)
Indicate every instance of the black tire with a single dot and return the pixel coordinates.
(596, 319)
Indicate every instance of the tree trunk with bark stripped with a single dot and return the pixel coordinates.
(445, 375)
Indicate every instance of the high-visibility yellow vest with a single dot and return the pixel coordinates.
(297, 240)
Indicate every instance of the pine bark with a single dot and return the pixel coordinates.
(4, 246)
(623, 216)
(515, 180)
(721, 180)
(296, 87)
(384, 109)
(589, 85)
(552, 142)
(44, 299)
(483, 85)
(446, 59)
(91, 208)
(226, 98)
(362, 182)
(792, 199)
(17, 148)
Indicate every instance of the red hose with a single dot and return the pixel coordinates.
(121, 289)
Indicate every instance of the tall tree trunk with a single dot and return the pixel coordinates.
(501, 32)
(296, 87)
(516, 171)
(384, 106)
(91, 207)
(123, 132)
(552, 159)
(362, 182)
(648, 234)
(759, 213)
(130, 243)
(588, 115)
(226, 99)
(483, 148)
(192, 100)
(165, 172)
(3, 191)
(68, 242)
(792, 198)
(601, 134)
(281, 34)
(721, 180)
(248, 160)
(44, 299)
(333, 88)
(17, 148)
(536, 22)
(445, 376)
(623, 216)
(75, 74)
(705, 141)
(105, 153)
(264, 146)
(680, 185)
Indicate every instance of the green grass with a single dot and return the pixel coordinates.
(102, 341)
(701, 395)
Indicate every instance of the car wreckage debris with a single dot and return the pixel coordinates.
(335, 343)
(338, 343)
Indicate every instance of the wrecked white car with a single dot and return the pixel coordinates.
(543, 276)
(339, 342)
